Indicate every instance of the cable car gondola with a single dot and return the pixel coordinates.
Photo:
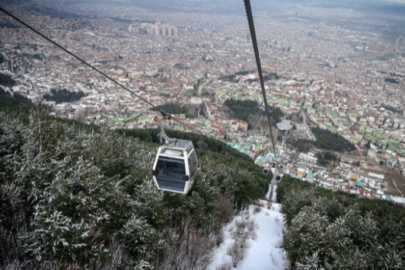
(175, 165)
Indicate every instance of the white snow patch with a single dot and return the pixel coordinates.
(89, 33)
(16, 88)
(398, 199)
(264, 248)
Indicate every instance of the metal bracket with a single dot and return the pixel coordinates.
(164, 139)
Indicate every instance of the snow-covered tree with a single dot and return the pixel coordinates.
(78, 196)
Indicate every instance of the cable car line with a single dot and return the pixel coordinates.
(266, 106)
(165, 114)
(259, 66)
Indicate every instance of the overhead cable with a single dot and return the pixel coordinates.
(259, 66)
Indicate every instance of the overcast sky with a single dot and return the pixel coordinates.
(397, 1)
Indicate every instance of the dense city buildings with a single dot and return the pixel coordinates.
(337, 69)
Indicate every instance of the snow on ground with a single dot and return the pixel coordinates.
(398, 199)
(263, 243)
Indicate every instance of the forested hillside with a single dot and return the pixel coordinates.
(6, 100)
(6, 80)
(63, 95)
(326, 140)
(199, 141)
(245, 109)
(332, 230)
(75, 196)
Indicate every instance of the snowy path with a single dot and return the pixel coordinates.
(398, 199)
(263, 244)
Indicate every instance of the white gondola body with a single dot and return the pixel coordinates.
(175, 167)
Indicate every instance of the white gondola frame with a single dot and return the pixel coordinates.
(183, 154)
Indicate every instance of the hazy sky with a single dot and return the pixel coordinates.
(397, 1)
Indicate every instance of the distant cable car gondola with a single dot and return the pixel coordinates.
(265, 171)
(175, 165)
